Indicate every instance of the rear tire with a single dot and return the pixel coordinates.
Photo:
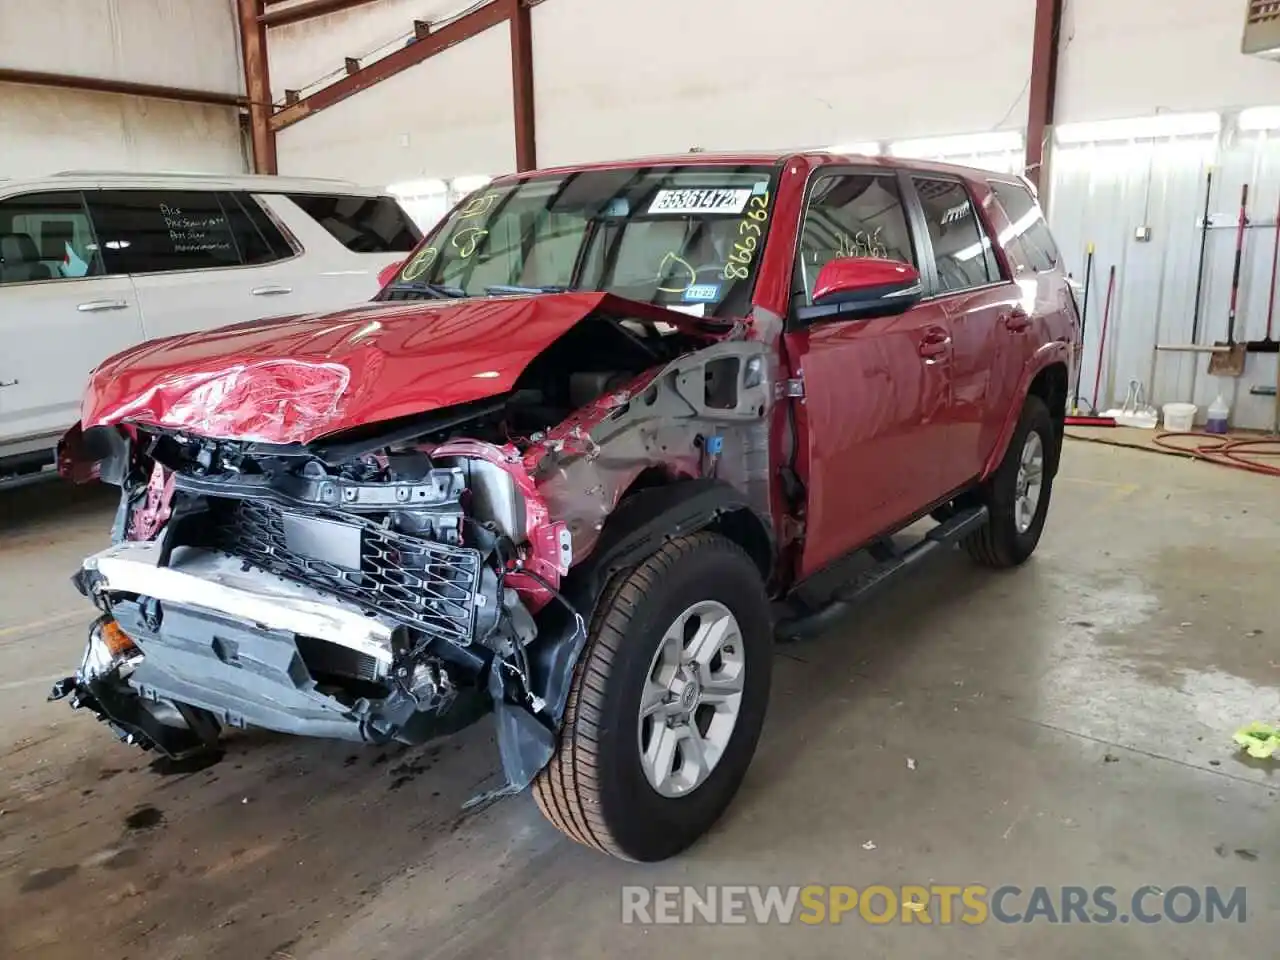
(598, 788)
(1017, 494)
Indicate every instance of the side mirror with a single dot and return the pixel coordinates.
(388, 273)
(860, 288)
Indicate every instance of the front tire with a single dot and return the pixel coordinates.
(1017, 494)
(666, 704)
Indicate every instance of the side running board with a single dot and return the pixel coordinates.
(944, 534)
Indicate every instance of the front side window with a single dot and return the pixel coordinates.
(680, 236)
(156, 231)
(1029, 241)
(852, 215)
(46, 236)
(361, 224)
(961, 248)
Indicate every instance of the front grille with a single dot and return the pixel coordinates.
(422, 584)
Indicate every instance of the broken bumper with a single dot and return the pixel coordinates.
(247, 648)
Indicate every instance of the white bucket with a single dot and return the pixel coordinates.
(1179, 416)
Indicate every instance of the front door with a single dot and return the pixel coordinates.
(876, 391)
(60, 316)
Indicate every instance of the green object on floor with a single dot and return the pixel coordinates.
(1260, 740)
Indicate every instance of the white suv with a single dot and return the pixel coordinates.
(91, 263)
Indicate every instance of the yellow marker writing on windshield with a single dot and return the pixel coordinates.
(478, 206)
(422, 261)
(467, 240)
(670, 258)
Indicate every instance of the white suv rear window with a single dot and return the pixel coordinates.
(362, 224)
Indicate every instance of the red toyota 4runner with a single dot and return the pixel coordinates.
(607, 431)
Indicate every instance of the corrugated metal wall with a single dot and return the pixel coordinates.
(1103, 192)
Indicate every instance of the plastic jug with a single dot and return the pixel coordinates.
(1218, 413)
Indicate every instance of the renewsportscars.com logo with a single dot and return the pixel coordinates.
(939, 904)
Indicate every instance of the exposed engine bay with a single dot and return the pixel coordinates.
(398, 580)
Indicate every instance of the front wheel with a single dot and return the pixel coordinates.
(1017, 494)
(666, 704)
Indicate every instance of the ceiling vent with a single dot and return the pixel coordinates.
(1262, 29)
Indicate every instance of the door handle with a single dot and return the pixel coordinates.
(97, 306)
(1016, 320)
(9, 383)
(934, 344)
(270, 291)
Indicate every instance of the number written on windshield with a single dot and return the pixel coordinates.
(750, 228)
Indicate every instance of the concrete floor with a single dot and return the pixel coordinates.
(1070, 724)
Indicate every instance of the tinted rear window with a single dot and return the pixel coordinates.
(361, 224)
(1029, 239)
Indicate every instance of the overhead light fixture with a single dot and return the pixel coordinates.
(1003, 141)
(1259, 118)
(1141, 128)
(417, 188)
(868, 148)
(467, 184)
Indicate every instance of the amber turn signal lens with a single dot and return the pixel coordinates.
(117, 640)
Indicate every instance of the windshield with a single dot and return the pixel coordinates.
(688, 237)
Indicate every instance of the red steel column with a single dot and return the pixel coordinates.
(1044, 84)
(522, 85)
(257, 82)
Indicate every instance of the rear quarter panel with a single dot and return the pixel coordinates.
(1054, 334)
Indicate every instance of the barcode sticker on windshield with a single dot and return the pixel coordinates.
(706, 200)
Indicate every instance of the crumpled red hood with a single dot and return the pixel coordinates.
(295, 379)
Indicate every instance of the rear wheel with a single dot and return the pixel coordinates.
(666, 705)
(1017, 494)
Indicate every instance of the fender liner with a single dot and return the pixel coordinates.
(639, 527)
(1047, 354)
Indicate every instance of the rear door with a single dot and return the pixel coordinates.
(876, 390)
(982, 314)
(60, 314)
(196, 258)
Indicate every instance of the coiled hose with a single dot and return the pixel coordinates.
(1227, 451)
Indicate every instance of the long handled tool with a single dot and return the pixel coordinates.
(1084, 319)
(1268, 345)
(1230, 363)
(1102, 341)
(1204, 246)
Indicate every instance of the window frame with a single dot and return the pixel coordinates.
(93, 232)
(911, 214)
(933, 288)
(246, 197)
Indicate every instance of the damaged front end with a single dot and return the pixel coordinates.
(398, 581)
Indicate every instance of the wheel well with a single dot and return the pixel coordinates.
(1050, 385)
(742, 526)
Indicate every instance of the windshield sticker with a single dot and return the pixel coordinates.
(422, 261)
(467, 240)
(702, 291)
(670, 260)
(750, 229)
(478, 206)
(692, 309)
(761, 186)
(708, 200)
